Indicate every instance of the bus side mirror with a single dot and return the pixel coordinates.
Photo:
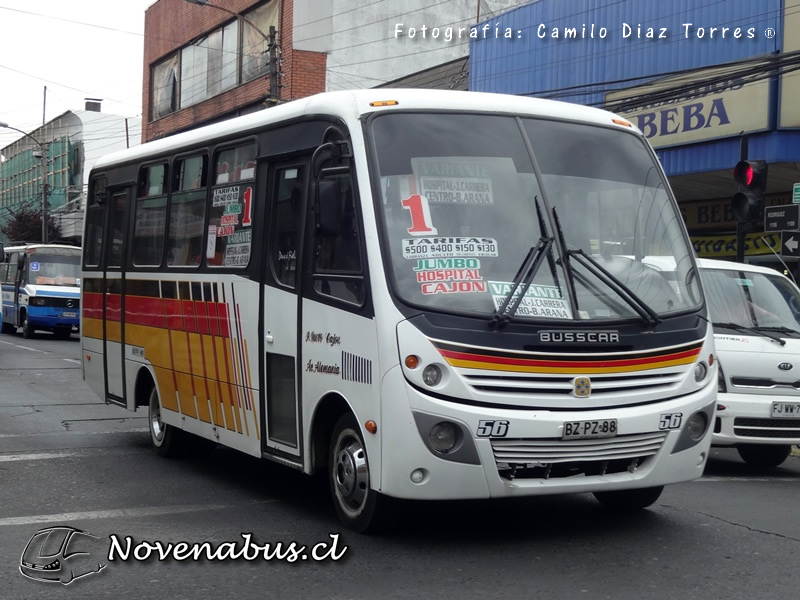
(2, 252)
(328, 206)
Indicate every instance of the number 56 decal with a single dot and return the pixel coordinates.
(492, 429)
(670, 421)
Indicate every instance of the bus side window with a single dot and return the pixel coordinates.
(289, 196)
(340, 253)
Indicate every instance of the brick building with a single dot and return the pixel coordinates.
(205, 63)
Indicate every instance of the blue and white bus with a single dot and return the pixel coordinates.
(41, 289)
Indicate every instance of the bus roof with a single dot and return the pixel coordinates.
(37, 247)
(354, 103)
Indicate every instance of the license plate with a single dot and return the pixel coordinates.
(68, 314)
(578, 430)
(785, 410)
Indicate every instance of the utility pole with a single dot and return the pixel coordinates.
(273, 62)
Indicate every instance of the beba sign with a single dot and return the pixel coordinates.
(717, 106)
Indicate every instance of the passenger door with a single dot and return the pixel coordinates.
(113, 297)
(286, 185)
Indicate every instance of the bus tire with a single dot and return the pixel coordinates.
(163, 437)
(629, 499)
(27, 329)
(764, 455)
(358, 507)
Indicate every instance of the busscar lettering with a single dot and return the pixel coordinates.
(579, 337)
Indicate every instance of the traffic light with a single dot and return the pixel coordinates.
(748, 202)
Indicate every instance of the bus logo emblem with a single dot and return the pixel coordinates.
(69, 303)
(582, 387)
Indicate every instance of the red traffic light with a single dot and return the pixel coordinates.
(750, 173)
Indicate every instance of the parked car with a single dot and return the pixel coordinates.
(755, 312)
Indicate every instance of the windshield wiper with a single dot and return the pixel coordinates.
(779, 328)
(622, 290)
(522, 281)
(757, 331)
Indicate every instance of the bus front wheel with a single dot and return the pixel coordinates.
(164, 437)
(629, 499)
(358, 506)
(27, 329)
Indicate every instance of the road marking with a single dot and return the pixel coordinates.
(34, 456)
(148, 511)
(72, 360)
(25, 347)
(71, 432)
(718, 479)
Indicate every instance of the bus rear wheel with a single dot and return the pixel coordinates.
(358, 506)
(163, 437)
(629, 499)
(764, 455)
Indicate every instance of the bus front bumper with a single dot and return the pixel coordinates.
(531, 458)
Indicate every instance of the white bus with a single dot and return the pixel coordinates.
(425, 294)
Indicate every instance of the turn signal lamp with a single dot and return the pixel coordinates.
(412, 362)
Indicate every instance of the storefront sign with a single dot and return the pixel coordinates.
(717, 214)
(724, 246)
(706, 105)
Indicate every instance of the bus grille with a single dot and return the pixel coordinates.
(554, 458)
(766, 428)
(552, 386)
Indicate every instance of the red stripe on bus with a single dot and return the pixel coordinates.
(213, 321)
(172, 308)
(201, 310)
(565, 363)
(92, 305)
(190, 321)
(141, 310)
(113, 307)
(224, 320)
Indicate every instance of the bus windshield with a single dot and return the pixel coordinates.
(464, 206)
(54, 268)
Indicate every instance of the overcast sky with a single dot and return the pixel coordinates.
(76, 48)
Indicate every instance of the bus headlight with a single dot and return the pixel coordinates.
(432, 375)
(39, 301)
(696, 426)
(443, 437)
(700, 371)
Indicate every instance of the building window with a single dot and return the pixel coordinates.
(209, 66)
(215, 64)
(255, 49)
(165, 87)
